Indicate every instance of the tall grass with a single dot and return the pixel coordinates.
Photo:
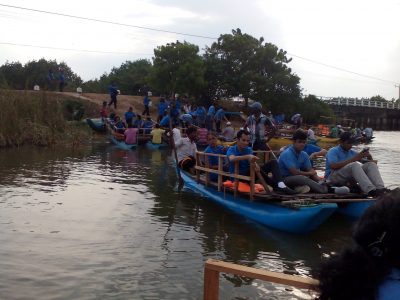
(36, 118)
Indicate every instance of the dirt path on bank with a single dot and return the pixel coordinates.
(123, 102)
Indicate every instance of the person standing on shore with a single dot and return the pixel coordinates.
(113, 91)
(61, 80)
(146, 104)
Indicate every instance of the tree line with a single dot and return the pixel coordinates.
(237, 63)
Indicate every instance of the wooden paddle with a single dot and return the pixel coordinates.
(172, 142)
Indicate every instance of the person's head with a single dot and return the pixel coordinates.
(228, 124)
(243, 138)
(347, 140)
(299, 140)
(256, 108)
(104, 103)
(191, 133)
(157, 125)
(374, 252)
(117, 118)
(212, 139)
(138, 117)
(148, 119)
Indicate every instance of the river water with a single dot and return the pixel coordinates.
(101, 223)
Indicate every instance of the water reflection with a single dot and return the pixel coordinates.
(99, 222)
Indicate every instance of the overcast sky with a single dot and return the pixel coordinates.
(358, 36)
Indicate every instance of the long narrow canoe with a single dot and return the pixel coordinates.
(122, 145)
(354, 209)
(97, 125)
(299, 219)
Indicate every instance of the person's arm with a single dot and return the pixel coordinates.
(309, 172)
(249, 157)
(319, 153)
(357, 157)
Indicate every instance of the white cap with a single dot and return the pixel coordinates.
(228, 123)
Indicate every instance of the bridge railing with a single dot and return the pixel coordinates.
(362, 102)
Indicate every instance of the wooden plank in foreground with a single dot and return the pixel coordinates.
(213, 267)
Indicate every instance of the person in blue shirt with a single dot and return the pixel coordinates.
(296, 168)
(146, 104)
(214, 148)
(129, 115)
(219, 115)
(369, 267)
(138, 122)
(61, 80)
(147, 125)
(119, 125)
(243, 154)
(165, 120)
(161, 108)
(210, 118)
(343, 165)
(113, 91)
(257, 124)
(201, 116)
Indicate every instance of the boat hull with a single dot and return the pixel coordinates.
(354, 209)
(121, 144)
(97, 125)
(302, 219)
(151, 146)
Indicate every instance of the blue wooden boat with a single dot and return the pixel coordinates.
(296, 219)
(121, 144)
(97, 125)
(354, 209)
(151, 146)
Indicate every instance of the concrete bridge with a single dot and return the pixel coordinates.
(366, 113)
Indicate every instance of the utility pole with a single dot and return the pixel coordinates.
(399, 89)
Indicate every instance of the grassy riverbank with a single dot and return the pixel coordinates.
(42, 119)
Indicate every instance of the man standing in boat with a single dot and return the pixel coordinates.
(343, 165)
(257, 123)
(242, 153)
(186, 150)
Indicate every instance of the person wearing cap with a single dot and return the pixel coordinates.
(228, 134)
(343, 165)
(256, 123)
(297, 120)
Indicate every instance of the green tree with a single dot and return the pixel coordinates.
(12, 76)
(313, 110)
(177, 67)
(240, 64)
(378, 98)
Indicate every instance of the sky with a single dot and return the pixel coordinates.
(331, 43)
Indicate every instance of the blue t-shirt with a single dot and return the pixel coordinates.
(164, 121)
(310, 149)
(146, 100)
(211, 111)
(244, 165)
(390, 287)
(290, 159)
(162, 106)
(213, 160)
(129, 115)
(335, 155)
(219, 115)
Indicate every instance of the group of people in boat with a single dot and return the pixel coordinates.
(293, 172)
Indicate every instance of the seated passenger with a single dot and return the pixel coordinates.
(157, 133)
(119, 126)
(165, 120)
(243, 154)
(186, 150)
(343, 165)
(214, 148)
(228, 134)
(131, 135)
(138, 122)
(147, 125)
(295, 166)
(129, 116)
